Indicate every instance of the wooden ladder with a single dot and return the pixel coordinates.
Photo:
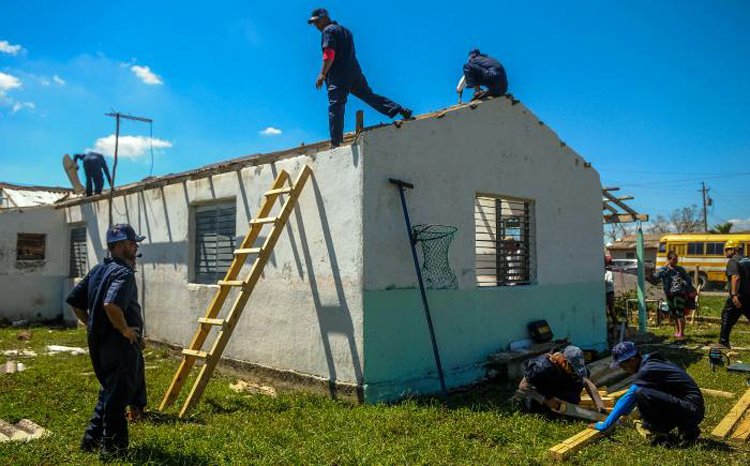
(226, 325)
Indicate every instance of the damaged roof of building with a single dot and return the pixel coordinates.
(266, 158)
(15, 196)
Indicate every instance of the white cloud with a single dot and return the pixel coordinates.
(5, 47)
(129, 146)
(146, 75)
(740, 224)
(17, 106)
(8, 82)
(270, 131)
(44, 82)
(58, 80)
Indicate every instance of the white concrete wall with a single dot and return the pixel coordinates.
(499, 149)
(32, 290)
(305, 314)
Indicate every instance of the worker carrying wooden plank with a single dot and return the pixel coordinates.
(559, 377)
(666, 396)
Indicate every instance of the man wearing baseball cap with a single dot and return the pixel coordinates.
(666, 396)
(342, 75)
(106, 300)
(738, 279)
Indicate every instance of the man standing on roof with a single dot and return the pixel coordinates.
(106, 299)
(342, 75)
(666, 396)
(94, 164)
(738, 282)
(482, 70)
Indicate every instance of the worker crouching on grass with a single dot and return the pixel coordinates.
(342, 75)
(557, 377)
(666, 396)
(106, 299)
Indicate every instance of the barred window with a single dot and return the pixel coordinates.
(30, 247)
(214, 240)
(79, 258)
(502, 241)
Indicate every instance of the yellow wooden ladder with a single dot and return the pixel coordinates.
(226, 325)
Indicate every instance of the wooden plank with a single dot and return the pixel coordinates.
(732, 417)
(567, 448)
(619, 393)
(717, 393)
(742, 432)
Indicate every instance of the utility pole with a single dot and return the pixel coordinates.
(117, 116)
(704, 190)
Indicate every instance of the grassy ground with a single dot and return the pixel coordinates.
(478, 427)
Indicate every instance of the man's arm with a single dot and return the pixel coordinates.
(734, 289)
(117, 318)
(329, 55)
(594, 394)
(81, 314)
(624, 406)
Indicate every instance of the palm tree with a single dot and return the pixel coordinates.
(722, 228)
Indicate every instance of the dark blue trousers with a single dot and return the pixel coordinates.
(115, 363)
(497, 84)
(730, 315)
(93, 175)
(337, 96)
(662, 412)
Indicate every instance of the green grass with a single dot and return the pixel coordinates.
(477, 427)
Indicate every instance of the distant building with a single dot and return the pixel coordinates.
(625, 248)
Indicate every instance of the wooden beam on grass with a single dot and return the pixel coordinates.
(742, 432)
(732, 417)
(567, 448)
(717, 393)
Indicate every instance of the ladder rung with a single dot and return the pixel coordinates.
(241, 251)
(195, 353)
(230, 283)
(206, 320)
(275, 192)
(264, 220)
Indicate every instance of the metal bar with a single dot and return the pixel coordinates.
(641, 281)
(401, 185)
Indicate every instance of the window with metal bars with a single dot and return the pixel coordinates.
(214, 240)
(79, 257)
(503, 239)
(30, 246)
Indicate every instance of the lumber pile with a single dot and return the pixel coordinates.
(565, 449)
(734, 418)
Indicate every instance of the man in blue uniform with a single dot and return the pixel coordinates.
(342, 75)
(666, 396)
(106, 299)
(94, 165)
(481, 70)
(738, 282)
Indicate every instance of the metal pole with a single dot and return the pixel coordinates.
(705, 210)
(401, 186)
(641, 281)
(114, 166)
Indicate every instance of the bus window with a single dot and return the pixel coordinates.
(714, 249)
(662, 247)
(695, 249)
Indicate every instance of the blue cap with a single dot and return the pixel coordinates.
(574, 355)
(121, 232)
(317, 14)
(474, 52)
(622, 352)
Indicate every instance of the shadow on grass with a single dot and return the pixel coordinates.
(151, 454)
(158, 418)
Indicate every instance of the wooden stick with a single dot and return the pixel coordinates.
(732, 417)
(567, 448)
(718, 393)
(742, 432)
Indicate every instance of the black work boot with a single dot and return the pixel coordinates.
(405, 113)
(689, 437)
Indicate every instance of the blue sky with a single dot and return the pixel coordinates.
(654, 94)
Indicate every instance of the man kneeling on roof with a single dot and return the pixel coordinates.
(553, 378)
(666, 396)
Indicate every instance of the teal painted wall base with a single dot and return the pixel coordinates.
(469, 325)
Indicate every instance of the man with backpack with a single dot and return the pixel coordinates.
(738, 280)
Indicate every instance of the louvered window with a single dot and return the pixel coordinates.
(503, 241)
(214, 241)
(79, 258)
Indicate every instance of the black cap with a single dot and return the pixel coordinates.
(474, 52)
(122, 232)
(317, 14)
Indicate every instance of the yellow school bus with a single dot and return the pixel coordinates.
(704, 250)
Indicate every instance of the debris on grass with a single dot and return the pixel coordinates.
(74, 350)
(24, 335)
(251, 387)
(20, 353)
(19, 323)
(25, 429)
(12, 366)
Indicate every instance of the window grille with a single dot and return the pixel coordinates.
(79, 258)
(502, 241)
(214, 240)
(30, 246)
